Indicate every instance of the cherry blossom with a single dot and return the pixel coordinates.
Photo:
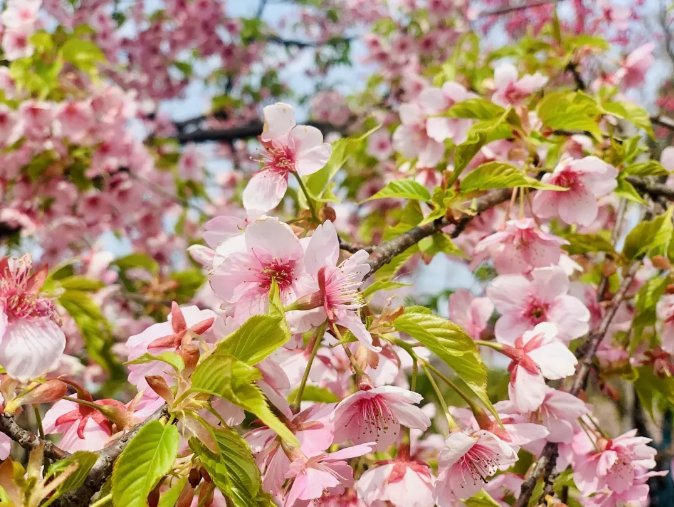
(510, 90)
(614, 464)
(288, 148)
(665, 323)
(633, 70)
(536, 355)
(521, 246)
(525, 302)
(337, 297)
(273, 254)
(412, 140)
(31, 341)
(325, 472)
(436, 101)
(586, 179)
(375, 415)
(401, 482)
(466, 462)
(472, 314)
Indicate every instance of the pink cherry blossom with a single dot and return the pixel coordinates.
(273, 253)
(504, 486)
(288, 148)
(559, 413)
(168, 337)
(510, 90)
(311, 477)
(436, 101)
(472, 314)
(16, 43)
(537, 355)
(314, 429)
(586, 179)
(5, 446)
(633, 71)
(466, 462)
(379, 144)
(191, 164)
(31, 341)
(615, 464)
(375, 415)
(83, 428)
(337, 296)
(521, 246)
(665, 323)
(636, 495)
(524, 302)
(20, 13)
(411, 139)
(401, 482)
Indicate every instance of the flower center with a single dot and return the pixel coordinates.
(374, 416)
(536, 311)
(279, 158)
(478, 463)
(283, 272)
(566, 178)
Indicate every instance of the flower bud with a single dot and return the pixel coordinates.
(327, 213)
(308, 302)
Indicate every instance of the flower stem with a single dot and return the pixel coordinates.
(493, 345)
(450, 420)
(103, 501)
(354, 364)
(306, 194)
(316, 345)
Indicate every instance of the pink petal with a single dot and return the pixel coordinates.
(323, 249)
(30, 348)
(278, 120)
(265, 190)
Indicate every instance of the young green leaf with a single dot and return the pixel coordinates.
(234, 472)
(404, 189)
(170, 497)
(501, 175)
(84, 460)
(451, 344)
(649, 235)
(171, 358)
(147, 458)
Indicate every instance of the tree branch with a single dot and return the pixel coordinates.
(651, 188)
(579, 379)
(508, 10)
(102, 469)
(388, 250)
(250, 130)
(29, 440)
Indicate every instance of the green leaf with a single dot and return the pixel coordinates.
(137, 260)
(569, 111)
(440, 243)
(654, 391)
(260, 335)
(451, 344)
(649, 235)
(316, 394)
(626, 190)
(650, 168)
(95, 329)
(234, 472)
(84, 459)
(391, 269)
(170, 358)
(383, 285)
(81, 283)
(501, 175)
(342, 149)
(147, 458)
(478, 109)
(481, 499)
(170, 497)
(228, 378)
(479, 134)
(632, 113)
(83, 54)
(404, 189)
(585, 243)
